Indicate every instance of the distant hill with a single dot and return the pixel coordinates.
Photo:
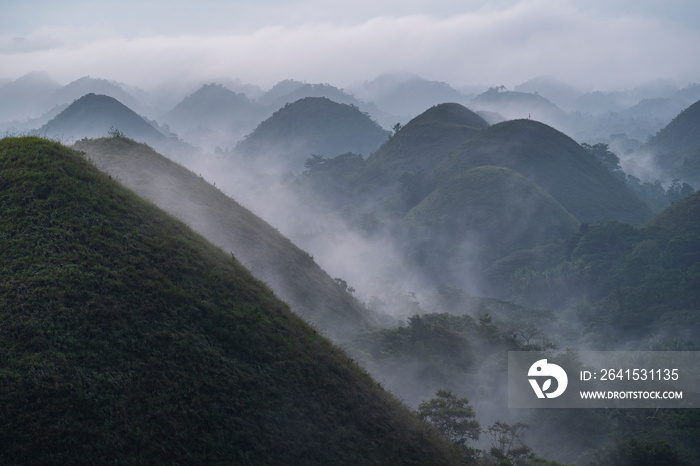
(405, 95)
(27, 96)
(676, 148)
(313, 125)
(552, 160)
(425, 141)
(396, 170)
(126, 336)
(481, 215)
(87, 85)
(289, 271)
(514, 105)
(559, 93)
(214, 116)
(96, 115)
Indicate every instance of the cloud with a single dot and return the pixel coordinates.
(506, 46)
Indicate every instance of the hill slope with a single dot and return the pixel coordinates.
(681, 218)
(214, 115)
(676, 148)
(291, 272)
(424, 141)
(126, 336)
(96, 115)
(553, 161)
(481, 215)
(313, 125)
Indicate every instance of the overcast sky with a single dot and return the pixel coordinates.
(594, 44)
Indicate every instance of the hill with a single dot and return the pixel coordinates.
(214, 115)
(425, 141)
(313, 125)
(87, 85)
(555, 162)
(681, 218)
(96, 115)
(513, 105)
(125, 335)
(406, 95)
(676, 148)
(26, 96)
(289, 271)
(481, 215)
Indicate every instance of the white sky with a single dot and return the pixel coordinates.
(594, 44)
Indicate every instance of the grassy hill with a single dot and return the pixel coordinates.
(676, 148)
(126, 336)
(481, 215)
(425, 141)
(96, 115)
(553, 161)
(291, 272)
(313, 125)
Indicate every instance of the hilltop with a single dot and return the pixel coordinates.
(289, 271)
(95, 115)
(126, 335)
(313, 125)
(556, 163)
(425, 141)
(214, 115)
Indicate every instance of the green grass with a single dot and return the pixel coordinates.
(126, 337)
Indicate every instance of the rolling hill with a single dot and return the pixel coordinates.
(313, 125)
(26, 96)
(126, 336)
(289, 271)
(553, 161)
(681, 218)
(425, 141)
(214, 115)
(96, 115)
(676, 148)
(481, 215)
(513, 105)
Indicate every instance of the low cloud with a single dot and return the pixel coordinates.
(506, 46)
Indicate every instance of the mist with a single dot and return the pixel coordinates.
(478, 43)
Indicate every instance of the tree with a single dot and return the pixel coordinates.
(506, 442)
(452, 417)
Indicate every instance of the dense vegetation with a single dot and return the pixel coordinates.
(126, 336)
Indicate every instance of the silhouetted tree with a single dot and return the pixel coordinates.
(452, 417)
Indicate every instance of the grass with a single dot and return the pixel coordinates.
(126, 337)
